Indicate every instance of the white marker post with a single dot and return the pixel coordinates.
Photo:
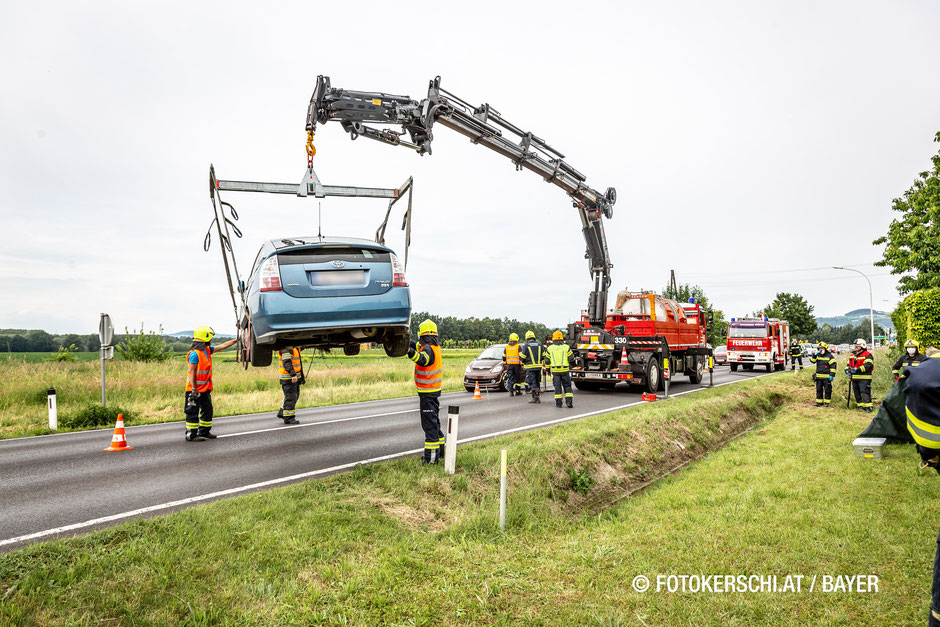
(53, 410)
(502, 490)
(450, 444)
(105, 336)
(666, 377)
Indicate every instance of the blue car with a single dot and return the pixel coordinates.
(324, 293)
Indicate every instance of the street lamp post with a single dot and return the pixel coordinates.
(871, 302)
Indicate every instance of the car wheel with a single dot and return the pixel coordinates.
(469, 389)
(653, 377)
(397, 344)
(351, 350)
(260, 355)
(504, 382)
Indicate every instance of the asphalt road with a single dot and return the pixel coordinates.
(65, 484)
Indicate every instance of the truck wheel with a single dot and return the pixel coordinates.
(260, 355)
(698, 370)
(734, 367)
(351, 350)
(396, 344)
(652, 376)
(769, 367)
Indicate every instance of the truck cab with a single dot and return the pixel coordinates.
(758, 342)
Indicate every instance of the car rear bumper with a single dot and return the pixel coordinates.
(277, 315)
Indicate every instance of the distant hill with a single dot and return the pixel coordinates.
(856, 317)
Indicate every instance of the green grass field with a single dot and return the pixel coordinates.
(395, 543)
(154, 392)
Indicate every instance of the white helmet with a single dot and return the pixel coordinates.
(861, 343)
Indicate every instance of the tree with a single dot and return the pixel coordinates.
(794, 309)
(717, 331)
(913, 240)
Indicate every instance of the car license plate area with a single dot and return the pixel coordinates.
(593, 375)
(333, 278)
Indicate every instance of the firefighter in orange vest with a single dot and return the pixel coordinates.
(861, 366)
(198, 408)
(513, 363)
(429, 378)
(290, 374)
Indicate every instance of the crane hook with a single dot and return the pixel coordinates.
(311, 150)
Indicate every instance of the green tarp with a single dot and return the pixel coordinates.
(891, 420)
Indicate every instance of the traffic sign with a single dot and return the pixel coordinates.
(105, 330)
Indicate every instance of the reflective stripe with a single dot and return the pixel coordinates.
(511, 353)
(861, 377)
(293, 355)
(924, 433)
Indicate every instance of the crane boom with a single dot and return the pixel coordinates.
(482, 125)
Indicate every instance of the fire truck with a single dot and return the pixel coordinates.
(644, 340)
(758, 342)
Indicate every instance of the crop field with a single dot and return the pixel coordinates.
(395, 543)
(153, 392)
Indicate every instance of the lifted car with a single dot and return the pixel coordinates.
(324, 292)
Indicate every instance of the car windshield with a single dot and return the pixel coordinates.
(494, 351)
(750, 330)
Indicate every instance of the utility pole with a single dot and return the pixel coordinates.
(871, 302)
(672, 284)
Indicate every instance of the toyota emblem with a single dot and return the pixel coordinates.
(338, 263)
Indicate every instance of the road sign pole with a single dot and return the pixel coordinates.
(105, 336)
(103, 401)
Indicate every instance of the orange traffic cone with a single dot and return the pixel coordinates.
(476, 393)
(118, 441)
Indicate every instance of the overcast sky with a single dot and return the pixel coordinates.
(752, 146)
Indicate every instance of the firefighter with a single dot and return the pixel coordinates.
(532, 355)
(911, 358)
(558, 356)
(198, 407)
(825, 373)
(429, 378)
(861, 366)
(922, 406)
(796, 353)
(290, 374)
(513, 365)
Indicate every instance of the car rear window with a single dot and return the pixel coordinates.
(320, 254)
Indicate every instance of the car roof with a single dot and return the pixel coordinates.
(313, 240)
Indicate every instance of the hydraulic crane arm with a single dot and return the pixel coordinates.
(482, 125)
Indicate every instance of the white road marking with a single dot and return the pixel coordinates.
(314, 424)
(314, 473)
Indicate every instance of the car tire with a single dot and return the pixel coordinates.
(653, 375)
(351, 350)
(261, 356)
(734, 367)
(469, 389)
(396, 345)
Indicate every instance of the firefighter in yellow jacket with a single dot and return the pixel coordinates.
(198, 407)
(290, 374)
(429, 378)
(558, 359)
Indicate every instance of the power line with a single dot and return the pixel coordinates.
(779, 281)
(729, 274)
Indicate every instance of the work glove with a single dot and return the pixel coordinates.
(194, 395)
(413, 346)
(854, 370)
(814, 378)
(832, 377)
(896, 379)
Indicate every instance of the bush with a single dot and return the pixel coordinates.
(923, 316)
(94, 416)
(65, 354)
(144, 347)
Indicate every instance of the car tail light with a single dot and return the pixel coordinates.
(271, 275)
(398, 273)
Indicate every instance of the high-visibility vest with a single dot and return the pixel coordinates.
(294, 357)
(558, 356)
(429, 378)
(203, 371)
(511, 354)
(865, 364)
(532, 355)
(921, 403)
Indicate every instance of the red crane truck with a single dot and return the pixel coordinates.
(641, 336)
(758, 342)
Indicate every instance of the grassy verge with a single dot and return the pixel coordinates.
(397, 543)
(154, 392)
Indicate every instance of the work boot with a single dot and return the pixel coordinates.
(819, 404)
(192, 435)
(290, 420)
(570, 404)
(280, 413)
(558, 404)
(868, 410)
(204, 433)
